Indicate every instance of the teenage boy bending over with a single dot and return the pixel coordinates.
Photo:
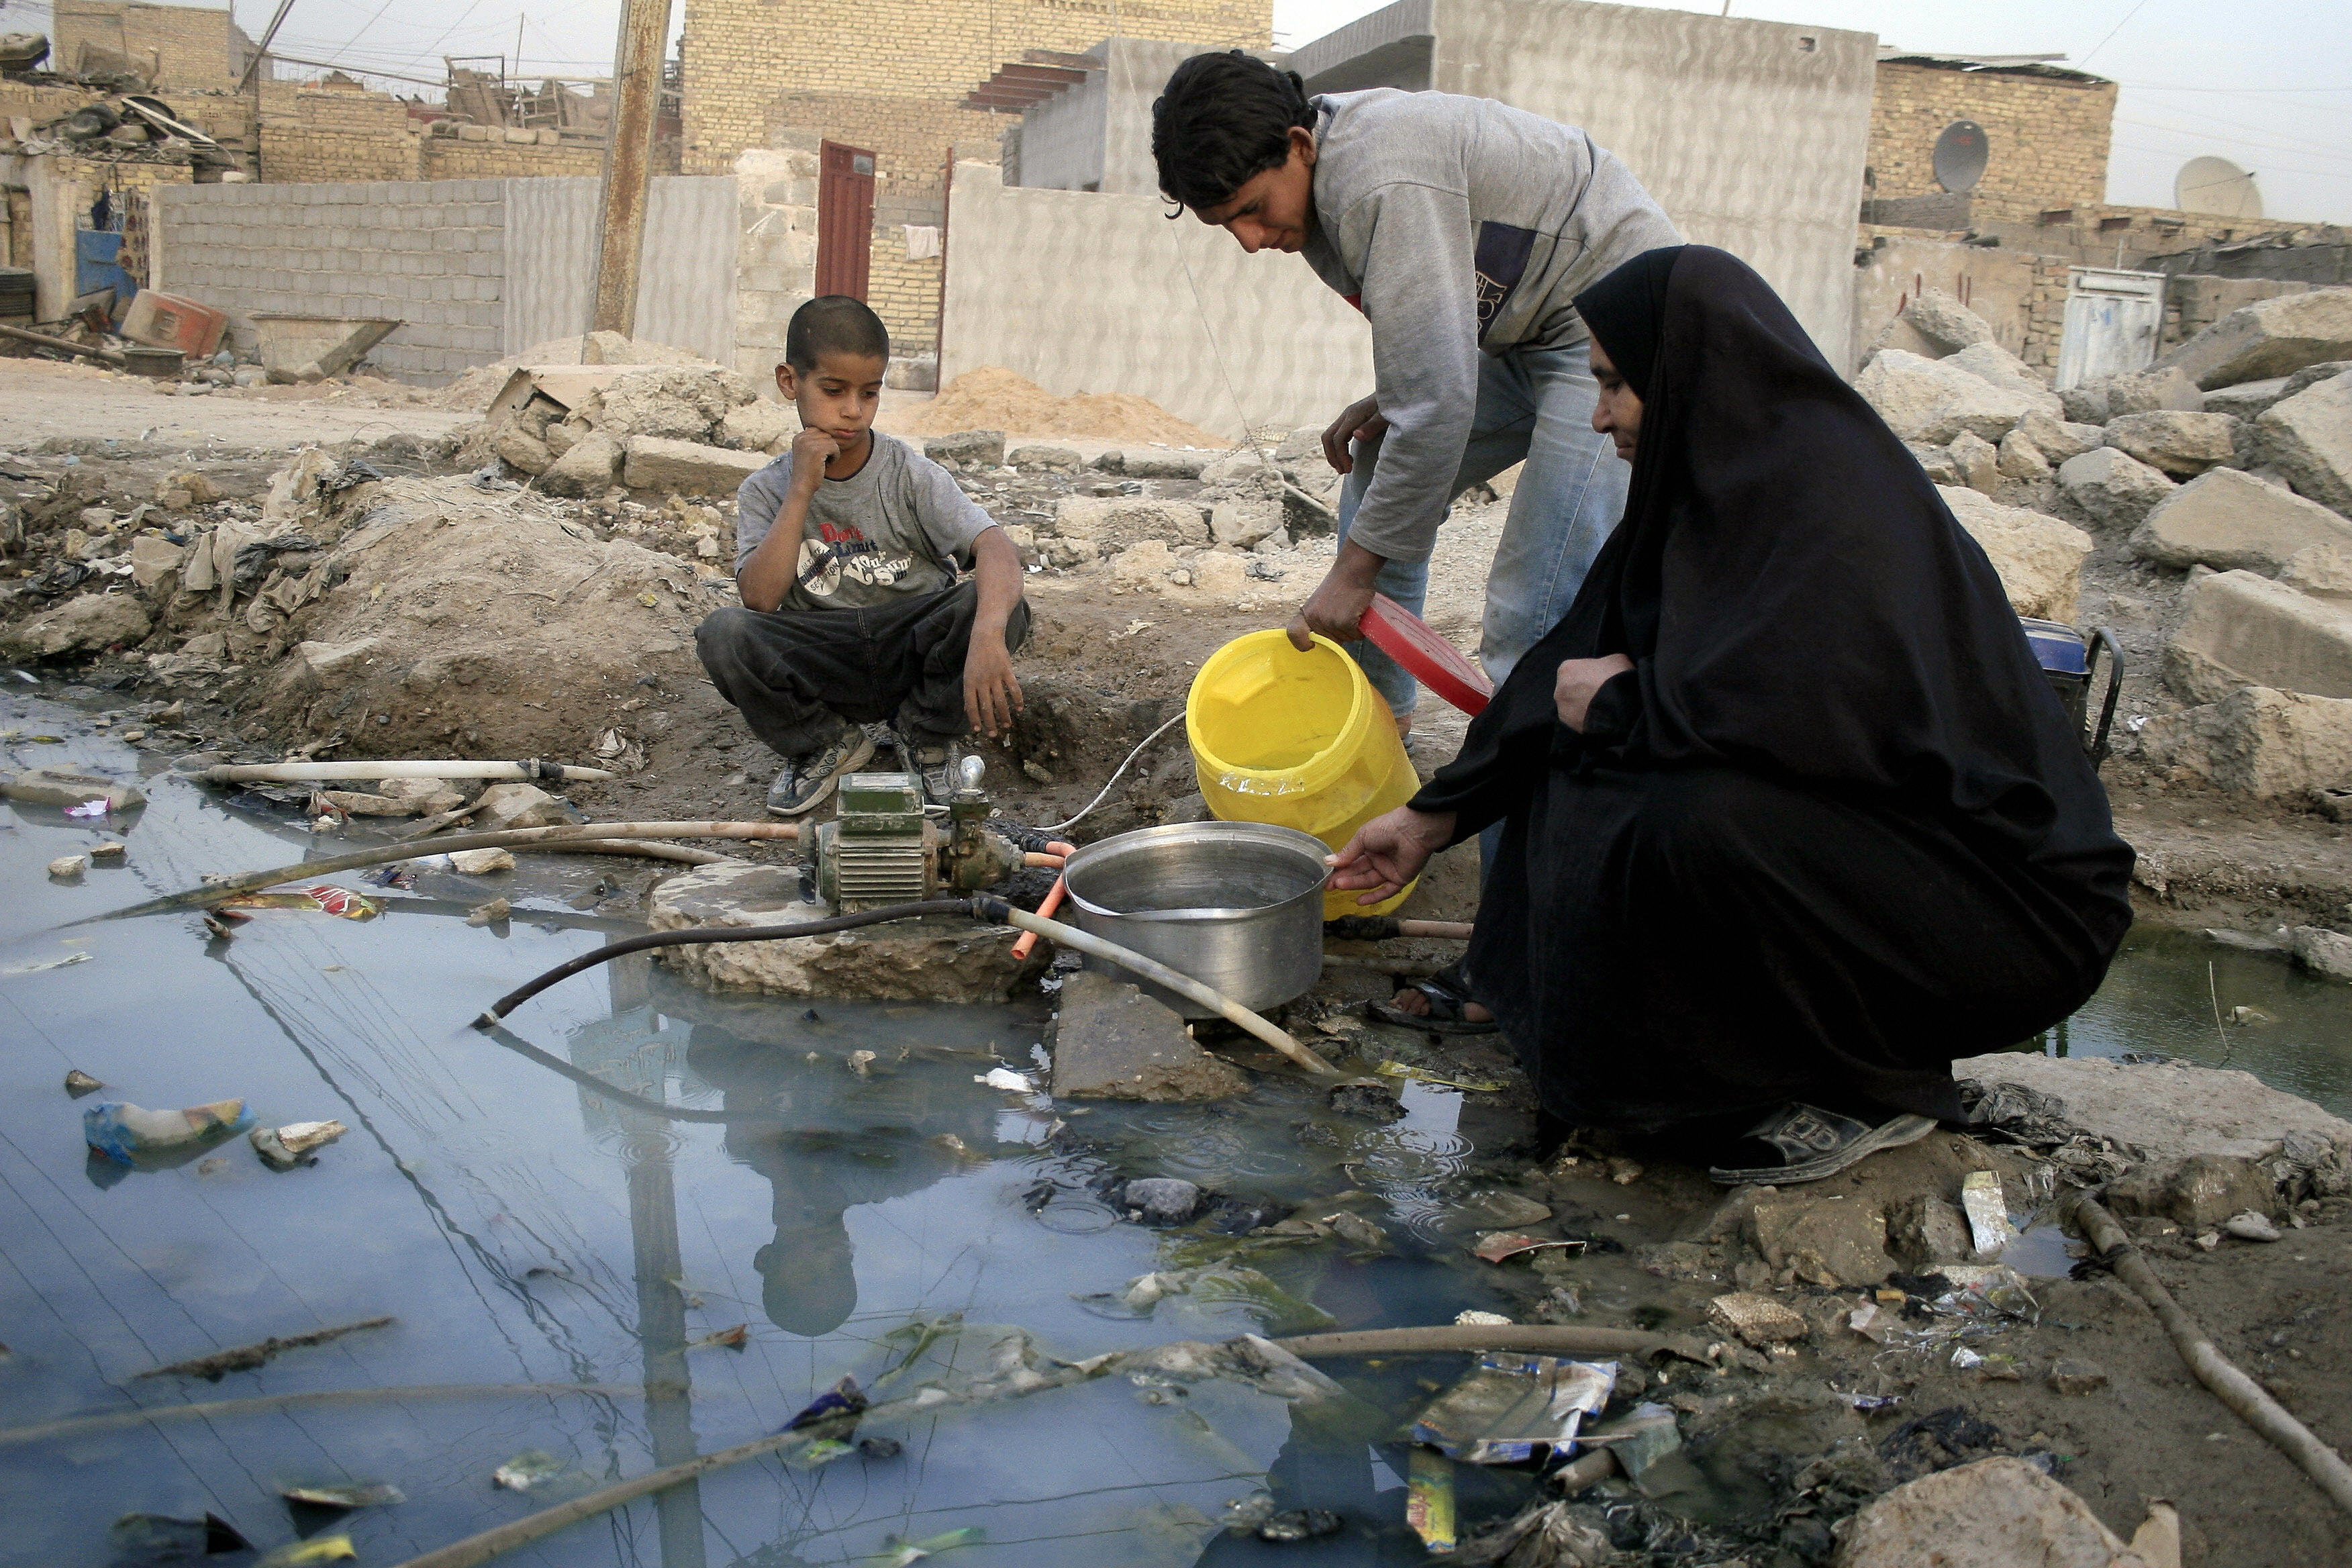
(846, 552)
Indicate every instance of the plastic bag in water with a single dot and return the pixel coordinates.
(123, 1132)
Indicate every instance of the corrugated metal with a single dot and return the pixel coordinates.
(686, 289)
(1752, 135)
(550, 259)
(1086, 292)
(685, 283)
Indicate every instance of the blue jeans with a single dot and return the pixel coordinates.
(1536, 405)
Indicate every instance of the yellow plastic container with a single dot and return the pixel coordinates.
(1299, 740)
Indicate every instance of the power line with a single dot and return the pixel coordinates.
(2110, 38)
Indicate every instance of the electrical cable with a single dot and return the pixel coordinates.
(1098, 799)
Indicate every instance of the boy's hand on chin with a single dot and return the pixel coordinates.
(992, 694)
(812, 450)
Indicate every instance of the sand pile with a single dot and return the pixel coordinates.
(993, 398)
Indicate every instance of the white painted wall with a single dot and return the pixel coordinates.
(1081, 291)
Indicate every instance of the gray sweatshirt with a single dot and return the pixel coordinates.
(1458, 224)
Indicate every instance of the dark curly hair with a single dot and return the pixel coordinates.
(1220, 121)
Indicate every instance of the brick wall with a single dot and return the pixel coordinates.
(319, 135)
(497, 157)
(185, 46)
(743, 58)
(2046, 137)
(430, 253)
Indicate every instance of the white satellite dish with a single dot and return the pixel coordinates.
(2216, 186)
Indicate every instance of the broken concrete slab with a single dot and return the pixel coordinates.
(935, 959)
(757, 427)
(1996, 366)
(1826, 1243)
(2308, 438)
(2170, 1110)
(2111, 488)
(2231, 521)
(85, 624)
(2275, 745)
(1242, 523)
(2020, 459)
(968, 448)
(1760, 1321)
(2039, 558)
(2322, 571)
(519, 449)
(2182, 444)
(1112, 1042)
(2248, 398)
(2242, 629)
(1933, 401)
(1937, 461)
(1979, 461)
(687, 468)
(1054, 459)
(680, 402)
(505, 806)
(2270, 337)
(2059, 439)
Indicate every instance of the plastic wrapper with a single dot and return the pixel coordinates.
(123, 1132)
(1514, 1407)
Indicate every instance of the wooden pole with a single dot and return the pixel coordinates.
(628, 163)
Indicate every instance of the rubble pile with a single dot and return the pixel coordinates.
(2202, 507)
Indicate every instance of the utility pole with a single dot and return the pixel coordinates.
(628, 162)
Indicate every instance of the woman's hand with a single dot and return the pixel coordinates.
(1389, 852)
(1579, 678)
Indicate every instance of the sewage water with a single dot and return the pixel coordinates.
(550, 1252)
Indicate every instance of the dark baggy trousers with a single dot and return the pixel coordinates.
(797, 674)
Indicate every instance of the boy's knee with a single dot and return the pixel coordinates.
(723, 636)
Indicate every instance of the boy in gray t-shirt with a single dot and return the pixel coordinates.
(847, 549)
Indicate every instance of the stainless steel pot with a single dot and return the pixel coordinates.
(1238, 906)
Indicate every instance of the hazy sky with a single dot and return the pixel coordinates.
(2266, 83)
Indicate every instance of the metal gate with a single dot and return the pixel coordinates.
(844, 220)
(2112, 321)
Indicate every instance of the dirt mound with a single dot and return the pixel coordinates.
(472, 392)
(465, 621)
(993, 398)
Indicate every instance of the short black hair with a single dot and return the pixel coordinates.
(834, 324)
(1222, 121)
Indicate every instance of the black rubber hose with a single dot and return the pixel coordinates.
(697, 936)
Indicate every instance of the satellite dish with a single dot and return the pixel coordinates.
(2216, 186)
(1961, 155)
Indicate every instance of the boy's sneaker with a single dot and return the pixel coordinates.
(887, 740)
(940, 765)
(806, 781)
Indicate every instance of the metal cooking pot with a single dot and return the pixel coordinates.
(1238, 906)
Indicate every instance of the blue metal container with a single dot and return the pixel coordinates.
(2066, 657)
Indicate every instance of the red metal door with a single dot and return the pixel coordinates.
(844, 220)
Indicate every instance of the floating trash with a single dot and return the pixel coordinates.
(1513, 1405)
(531, 1468)
(289, 1146)
(374, 1495)
(123, 1132)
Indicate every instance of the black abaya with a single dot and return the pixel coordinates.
(1833, 830)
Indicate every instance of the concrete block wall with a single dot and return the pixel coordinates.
(431, 253)
(2046, 137)
(1087, 292)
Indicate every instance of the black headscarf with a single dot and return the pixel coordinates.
(1796, 598)
(1633, 301)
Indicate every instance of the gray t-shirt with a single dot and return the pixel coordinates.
(899, 525)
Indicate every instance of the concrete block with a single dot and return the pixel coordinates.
(1112, 1042)
(2240, 629)
(654, 463)
(2111, 489)
(1996, 366)
(1929, 401)
(2182, 444)
(932, 960)
(2038, 558)
(2230, 521)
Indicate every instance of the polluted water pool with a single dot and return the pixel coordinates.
(650, 1222)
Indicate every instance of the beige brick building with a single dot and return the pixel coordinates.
(891, 77)
(172, 46)
(2046, 130)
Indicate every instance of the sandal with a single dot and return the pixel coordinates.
(1448, 991)
(1814, 1143)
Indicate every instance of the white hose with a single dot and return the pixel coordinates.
(321, 773)
(1057, 827)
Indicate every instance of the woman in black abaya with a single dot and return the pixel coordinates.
(1791, 817)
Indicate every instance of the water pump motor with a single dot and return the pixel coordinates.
(880, 847)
